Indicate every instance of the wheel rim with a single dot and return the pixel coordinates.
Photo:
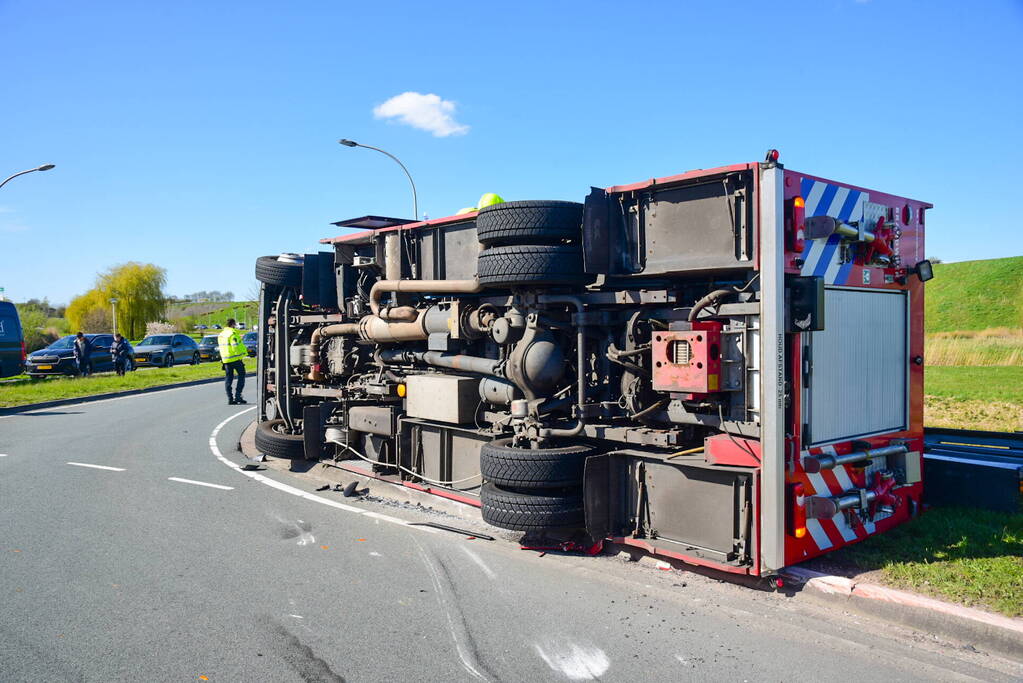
(195, 359)
(168, 361)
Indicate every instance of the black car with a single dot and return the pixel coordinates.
(12, 344)
(59, 357)
(208, 348)
(166, 350)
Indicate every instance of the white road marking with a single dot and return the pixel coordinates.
(479, 562)
(297, 491)
(3, 455)
(201, 483)
(98, 467)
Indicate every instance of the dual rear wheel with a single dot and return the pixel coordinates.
(533, 489)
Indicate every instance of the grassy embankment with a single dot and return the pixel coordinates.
(55, 388)
(974, 347)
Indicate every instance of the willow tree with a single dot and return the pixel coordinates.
(138, 288)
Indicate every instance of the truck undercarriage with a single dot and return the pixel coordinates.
(632, 366)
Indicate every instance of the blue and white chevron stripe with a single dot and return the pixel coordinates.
(821, 257)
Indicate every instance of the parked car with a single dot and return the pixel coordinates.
(59, 357)
(208, 348)
(166, 350)
(12, 343)
(251, 341)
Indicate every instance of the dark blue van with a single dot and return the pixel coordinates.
(12, 344)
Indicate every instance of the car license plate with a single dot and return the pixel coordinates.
(204, 355)
(44, 367)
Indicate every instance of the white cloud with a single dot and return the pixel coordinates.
(425, 112)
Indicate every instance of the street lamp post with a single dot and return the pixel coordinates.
(113, 308)
(44, 167)
(415, 200)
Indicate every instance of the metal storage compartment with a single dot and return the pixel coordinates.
(858, 380)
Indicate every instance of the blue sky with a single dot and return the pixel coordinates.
(200, 135)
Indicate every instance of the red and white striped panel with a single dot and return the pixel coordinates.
(830, 533)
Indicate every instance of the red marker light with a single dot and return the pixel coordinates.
(772, 155)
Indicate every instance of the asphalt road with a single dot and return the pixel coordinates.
(128, 574)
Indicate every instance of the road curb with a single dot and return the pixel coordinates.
(13, 410)
(985, 630)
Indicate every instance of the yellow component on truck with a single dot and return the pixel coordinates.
(489, 199)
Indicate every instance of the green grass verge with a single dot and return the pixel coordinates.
(973, 557)
(987, 383)
(56, 388)
(989, 398)
(975, 295)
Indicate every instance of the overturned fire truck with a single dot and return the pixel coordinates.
(723, 366)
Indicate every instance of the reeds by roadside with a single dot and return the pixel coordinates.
(995, 346)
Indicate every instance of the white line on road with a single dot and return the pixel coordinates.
(3, 455)
(98, 467)
(273, 483)
(201, 483)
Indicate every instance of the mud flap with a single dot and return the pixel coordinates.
(313, 420)
(597, 498)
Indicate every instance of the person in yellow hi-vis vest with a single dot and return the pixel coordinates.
(232, 354)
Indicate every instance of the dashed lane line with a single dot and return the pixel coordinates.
(272, 483)
(201, 483)
(98, 467)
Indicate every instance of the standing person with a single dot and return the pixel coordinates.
(83, 355)
(232, 353)
(120, 353)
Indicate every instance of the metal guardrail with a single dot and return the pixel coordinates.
(974, 469)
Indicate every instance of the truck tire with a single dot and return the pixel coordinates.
(532, 222)
(553, 264)
(274, 272)
(525, 468)
(270, 441)
(507, 509)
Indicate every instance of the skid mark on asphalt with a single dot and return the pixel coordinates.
(576, 662)
(97, 467)
(465, 646)
(273, 483)
(479, 562)
(300, 657)
(299, 529)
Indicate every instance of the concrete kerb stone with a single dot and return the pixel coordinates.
(994, 632)
(28, 407)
